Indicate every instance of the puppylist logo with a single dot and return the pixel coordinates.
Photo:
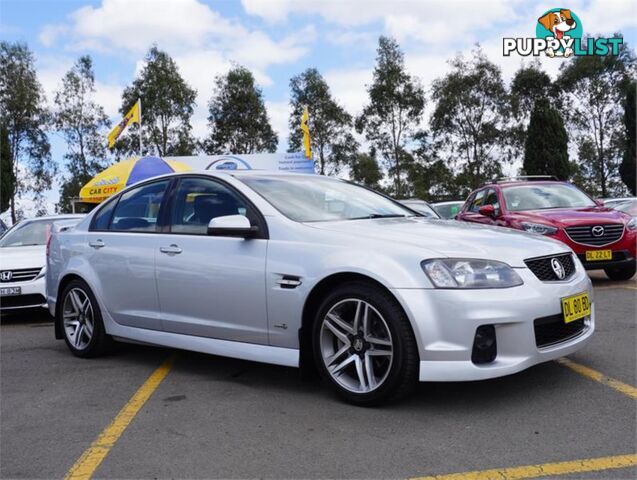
(558, 33)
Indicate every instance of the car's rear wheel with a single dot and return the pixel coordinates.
(621, 273)
(364, 345)
(82, 321)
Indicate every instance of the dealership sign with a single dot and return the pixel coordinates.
(288, 162)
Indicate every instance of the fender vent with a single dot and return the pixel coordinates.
(289, 282)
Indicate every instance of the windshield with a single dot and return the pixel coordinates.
(629, 207)
(27, 234)
(541, 197)
(422, 207)
(448, 210)
(319, 199)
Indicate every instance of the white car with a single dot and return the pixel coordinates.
(22, 261)
(311, 271)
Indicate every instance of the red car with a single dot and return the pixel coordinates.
(601, 237)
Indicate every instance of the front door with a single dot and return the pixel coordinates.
(211, 286)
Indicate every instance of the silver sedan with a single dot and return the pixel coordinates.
(317, 273)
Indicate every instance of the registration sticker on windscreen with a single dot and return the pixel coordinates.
(576, 307)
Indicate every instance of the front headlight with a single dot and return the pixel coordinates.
(632, 224)
(538, 228)
(470, 273)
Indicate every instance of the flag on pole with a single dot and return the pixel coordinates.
(306, 132)
(133, 116)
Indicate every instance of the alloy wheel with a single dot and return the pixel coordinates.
(356, 345)
(79, 321)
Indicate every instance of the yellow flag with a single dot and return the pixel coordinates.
(306, 132)
(133, 116)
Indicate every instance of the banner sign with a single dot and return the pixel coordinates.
(287, 162)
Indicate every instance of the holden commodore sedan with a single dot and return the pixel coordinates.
(318, 273)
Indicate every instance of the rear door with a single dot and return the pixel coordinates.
(211, 286)
(122, 241)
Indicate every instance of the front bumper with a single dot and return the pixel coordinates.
(33, 295)
(445, 323)
(621, 258)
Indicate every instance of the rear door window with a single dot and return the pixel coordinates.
(138, 209)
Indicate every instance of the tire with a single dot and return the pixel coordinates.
(365, 366)
(79, 312)
(621, 273)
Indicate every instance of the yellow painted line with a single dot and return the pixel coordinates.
(621, 387)
(95, 454)
(543, 470)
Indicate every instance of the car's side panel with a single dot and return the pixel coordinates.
(124, 272)
(214, 288)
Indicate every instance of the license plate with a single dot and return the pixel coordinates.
(597, 255)
(8, 291)
(576, 307)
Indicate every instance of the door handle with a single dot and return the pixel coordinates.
(172, 250)
(96, 244)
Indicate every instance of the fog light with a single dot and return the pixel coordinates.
(485, 347)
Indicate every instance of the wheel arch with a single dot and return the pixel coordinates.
(66, 279)
(313, 301)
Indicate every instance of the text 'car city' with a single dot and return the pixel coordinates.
(309, 271)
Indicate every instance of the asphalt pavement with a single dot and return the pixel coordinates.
(213, 417)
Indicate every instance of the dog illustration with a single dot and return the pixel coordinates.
(558, 23)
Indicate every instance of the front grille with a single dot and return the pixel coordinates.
(20, 275)
(543, 268)
(596, 235)
(552, 330)
(16, 301)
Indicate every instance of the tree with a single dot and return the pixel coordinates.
(529, 84)
(470, 119)
(431, 177)
(7, 175)
(24, 115)
(81, 122)
(333, 144)
(592, 88)
(364, 169)
(167, 105)
(395, 109)
(546, 147)
(629, 160)
(238, 119)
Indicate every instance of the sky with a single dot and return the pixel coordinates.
(278, 39)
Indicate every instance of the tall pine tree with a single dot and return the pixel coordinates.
(238, 118)
(167, 106)
(546, 146)
(82, 123)
(24, 115)
(333, 144)
(395, 109)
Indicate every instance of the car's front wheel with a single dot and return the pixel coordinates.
(82, 323)
(364, 345)
(621, 273)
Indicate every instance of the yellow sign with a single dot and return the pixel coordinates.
(134, 115)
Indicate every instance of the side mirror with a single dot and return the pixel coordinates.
(487, 211)
(232, 226)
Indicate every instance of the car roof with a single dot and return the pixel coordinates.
(522, 183)
(448, 202)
